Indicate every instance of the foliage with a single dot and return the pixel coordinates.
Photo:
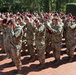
(32, 5)
(71, 6)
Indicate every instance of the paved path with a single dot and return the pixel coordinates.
(29, 68)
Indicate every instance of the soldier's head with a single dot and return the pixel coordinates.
(29, 15)
(10, 24)
(27, 20)
(19, 20)
(36, 22)
(74, 17)
(71, 20)
(4, 22)
(55, 20)
(45, 18)
(63, 18)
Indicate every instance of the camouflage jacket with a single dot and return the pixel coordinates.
(70, 32)
(30, 31)
(40, 32)
(57, 32)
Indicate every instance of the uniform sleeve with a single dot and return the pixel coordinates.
(73, 26)
(58, 30)
(12, 32)
(47, 25)
(18, 31)
(40, 29)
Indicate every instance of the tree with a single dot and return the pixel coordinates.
(58, 5)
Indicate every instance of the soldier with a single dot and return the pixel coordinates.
(70, 37)
(56, 38)
(48, 36)
(64, 22)
(5, 37)
(1, 37)
(40, 32)
(30, 38)
(24, 41)
(15, 44)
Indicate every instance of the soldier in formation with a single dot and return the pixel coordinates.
(43, 31)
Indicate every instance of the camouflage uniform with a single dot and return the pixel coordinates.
(56, 40)
(70, 39)
(15, 44)
(40, 42)
(5, 40)
(1, 39)
(24, 39)
(66, 24)
(48, 39)
(30, 39)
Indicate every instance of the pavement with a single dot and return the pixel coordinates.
(29, 68)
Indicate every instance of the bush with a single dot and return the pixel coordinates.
(71, 8)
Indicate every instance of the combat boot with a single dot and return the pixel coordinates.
(54, 61)
(32, 59)
(47, 54)
(5, 57)
(11, 63)
(57, 61)
(41, 66)
(19, 72)
(70, 59)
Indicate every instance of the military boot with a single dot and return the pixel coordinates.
(19, 72)
(32, 59)
(70, 59)
(47, 54)
(11, 63)
(57, 61)
(41, 66)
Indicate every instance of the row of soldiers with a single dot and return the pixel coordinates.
(42, 30)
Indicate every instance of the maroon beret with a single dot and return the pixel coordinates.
(4, 21)
(10, 22)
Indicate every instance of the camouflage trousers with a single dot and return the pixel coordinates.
(16, 57)
(30, 48)
(41, 52)
(6, 47)
(1, 42)
(24, 42)
(24, 47)
(48, 45)
(56, 47)
(15, 54)
(71, 45)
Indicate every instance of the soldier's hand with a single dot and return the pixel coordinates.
(24, 30)
(50, 31)
(14, 37)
